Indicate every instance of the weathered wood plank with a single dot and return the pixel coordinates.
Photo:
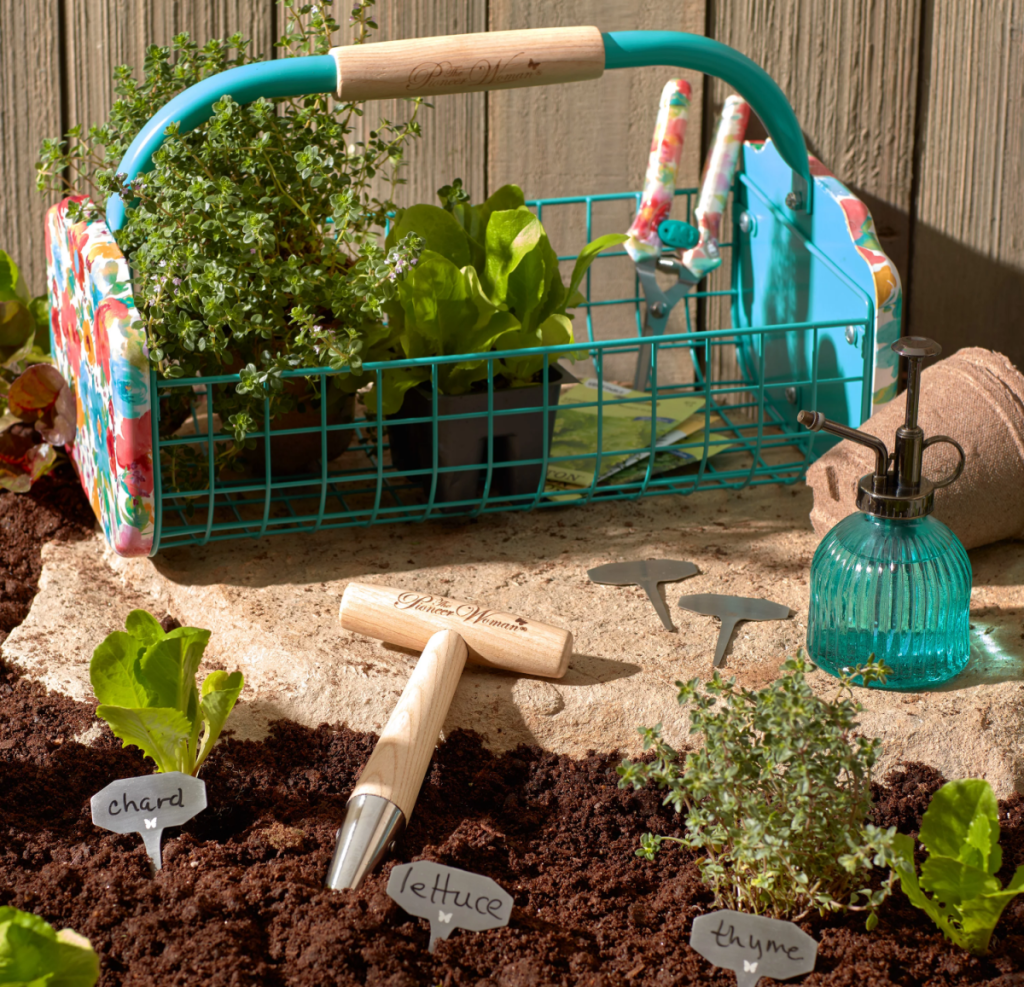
(30, 109)
(967, 276)
(850, 71)
(454, 140)
(593, 138)
(102, 34)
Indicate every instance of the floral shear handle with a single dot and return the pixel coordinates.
(652, 230)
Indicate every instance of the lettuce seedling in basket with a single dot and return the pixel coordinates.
(777, 798)
(486, 278)
(957, 887)
(32, 954)
(37, 410)
(145, 680)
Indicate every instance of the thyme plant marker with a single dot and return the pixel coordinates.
(147, 805)
(646, 574)
(753, 946)
(449, 898)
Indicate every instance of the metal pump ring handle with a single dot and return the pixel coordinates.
(472, 63)
(947, 480)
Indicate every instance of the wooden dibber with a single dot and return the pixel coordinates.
(450, 632)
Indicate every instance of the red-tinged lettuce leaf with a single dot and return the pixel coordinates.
(41, 397)
(23, 459)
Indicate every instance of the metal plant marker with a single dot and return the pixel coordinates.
(753, 946)
(147, 805)
(449, 898)
(646, 574)
(731, 610)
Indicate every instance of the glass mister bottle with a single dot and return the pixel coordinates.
(891, 580)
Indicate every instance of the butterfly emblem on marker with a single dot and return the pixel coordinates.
(151, 823)
(444, 916)
(749, 967)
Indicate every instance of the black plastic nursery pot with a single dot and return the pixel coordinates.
(462, 442)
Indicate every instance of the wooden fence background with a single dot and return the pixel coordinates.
(915, 104)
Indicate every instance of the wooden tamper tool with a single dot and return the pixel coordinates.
(448, 632)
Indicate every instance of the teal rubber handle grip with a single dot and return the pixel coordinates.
(301, 76)
(677, 235)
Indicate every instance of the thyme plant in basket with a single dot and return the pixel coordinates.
(778, 796)
(255, 240)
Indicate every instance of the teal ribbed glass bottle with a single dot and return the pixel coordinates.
(897, 589)
(892, 581)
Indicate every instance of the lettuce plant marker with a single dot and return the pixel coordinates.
(147, 805)
(449, 898)
(753, 946)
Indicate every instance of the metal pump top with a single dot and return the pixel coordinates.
(896, 489)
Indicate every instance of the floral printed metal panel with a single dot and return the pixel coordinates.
(106, 363)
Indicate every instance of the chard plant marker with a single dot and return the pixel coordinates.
(731, 610)
(449, 898)
(753, 946)
(148, 805)
(647, 574)
(957, 887)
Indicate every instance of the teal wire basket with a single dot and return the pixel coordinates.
(813, 305)
(752, 413)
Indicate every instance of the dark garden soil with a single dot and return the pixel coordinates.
(240, 900)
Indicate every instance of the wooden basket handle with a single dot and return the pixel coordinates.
(469, 63)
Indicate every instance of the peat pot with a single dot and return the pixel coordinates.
(462, 442)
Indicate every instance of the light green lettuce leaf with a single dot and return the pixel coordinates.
(219, 694)
(160, 733)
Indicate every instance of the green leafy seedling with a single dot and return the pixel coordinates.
(487, 279)
(145, 680)
(32, 954)
(957, 887)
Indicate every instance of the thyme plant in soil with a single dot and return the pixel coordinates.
(255, 240)
(778, 796)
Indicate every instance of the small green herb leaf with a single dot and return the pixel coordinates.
(143, 626)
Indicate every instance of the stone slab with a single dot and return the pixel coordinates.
(272, 605)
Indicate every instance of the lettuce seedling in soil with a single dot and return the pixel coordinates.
(32, 954)
(960, 831)
(145, 680)
(777, 797)
(37, 410)
(486, 278)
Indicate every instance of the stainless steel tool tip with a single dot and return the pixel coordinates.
(372, 824)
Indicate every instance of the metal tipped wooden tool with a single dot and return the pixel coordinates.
(646, 574)
(731, 610)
